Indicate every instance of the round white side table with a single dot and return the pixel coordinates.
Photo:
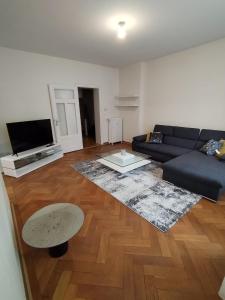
(52, 226)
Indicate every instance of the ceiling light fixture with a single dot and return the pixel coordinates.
(121, 30)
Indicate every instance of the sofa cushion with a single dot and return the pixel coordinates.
(179, 136)
(166, 130)
(140, 138)
(180, 142)
(154, 155)
(208, 134)
(186, 133)
(199, 166)
(173, 151)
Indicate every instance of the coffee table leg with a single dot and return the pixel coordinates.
(58, 250)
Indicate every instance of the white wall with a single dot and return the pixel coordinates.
(130, 78)
(24, 94)
(183, 89)
(187, 88)
(11, 281)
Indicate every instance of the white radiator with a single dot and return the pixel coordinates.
(115, 130)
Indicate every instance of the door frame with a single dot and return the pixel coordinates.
(97, 109)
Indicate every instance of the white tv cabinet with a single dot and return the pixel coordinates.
(27, 161)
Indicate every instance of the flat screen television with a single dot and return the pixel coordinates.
(29, 134)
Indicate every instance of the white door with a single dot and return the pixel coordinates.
(66, 117)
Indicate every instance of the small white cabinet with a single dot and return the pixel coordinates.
(115, 130)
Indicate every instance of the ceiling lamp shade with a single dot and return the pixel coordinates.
(121, 31)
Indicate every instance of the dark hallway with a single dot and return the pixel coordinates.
(87, 115)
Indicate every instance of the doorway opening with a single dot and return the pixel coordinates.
(89, 115)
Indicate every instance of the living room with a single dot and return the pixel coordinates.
(139, 213)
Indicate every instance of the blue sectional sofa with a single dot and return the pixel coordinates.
(183, 164)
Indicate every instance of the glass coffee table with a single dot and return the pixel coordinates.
(123, 160)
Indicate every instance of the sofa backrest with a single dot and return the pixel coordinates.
(208, 134)
(179, 136)
(164, 129)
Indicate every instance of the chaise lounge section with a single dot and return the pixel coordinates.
(184, 165)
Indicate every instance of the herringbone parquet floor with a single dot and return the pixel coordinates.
(117, 255)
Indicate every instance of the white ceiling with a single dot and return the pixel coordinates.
(80, 29)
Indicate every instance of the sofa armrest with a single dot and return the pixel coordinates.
(140, 138)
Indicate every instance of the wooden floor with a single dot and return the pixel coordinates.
(117, 254)
(89, 141)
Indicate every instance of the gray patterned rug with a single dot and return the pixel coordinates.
(142, 190)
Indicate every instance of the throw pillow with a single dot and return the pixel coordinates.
(148, 137)
(222, 158)
(156, 138)
(221, 152)
(210, 147)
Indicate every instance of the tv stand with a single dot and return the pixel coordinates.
(22, 163)
(49, 145)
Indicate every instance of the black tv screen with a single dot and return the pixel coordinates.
(29, 134)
